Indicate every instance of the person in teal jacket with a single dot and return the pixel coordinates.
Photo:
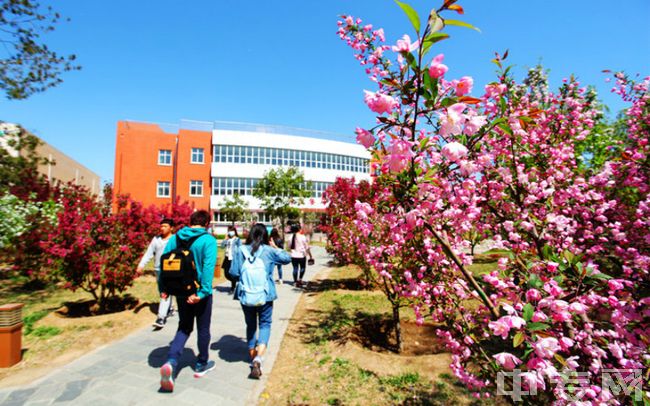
(260, 246)
(197, 306)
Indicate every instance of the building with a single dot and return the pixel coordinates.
(204, 163)
(60, 167)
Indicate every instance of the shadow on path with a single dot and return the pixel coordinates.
(231, 349)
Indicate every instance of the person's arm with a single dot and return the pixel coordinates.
(280, 256)
(224, 242)
(147, 256)
(209, 254)
(235, 265)
(307, 248)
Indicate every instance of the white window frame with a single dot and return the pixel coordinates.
(199, 152)
(159, 185)
(160, 155)
(197, 184)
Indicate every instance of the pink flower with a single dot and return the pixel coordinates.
(546, 347)
(454, 151)
(507, 360)
(463, 86)
(539, 317)
(405, 45)
(577, 308)
(532, 380)
(533, 295)
(380, 103)
(474, 123)
(400, 155)
(615, 284)
(616, 350)
(437, 69)
(500, 328)
(452, 122)
(365, 137)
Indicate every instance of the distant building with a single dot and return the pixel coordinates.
(204, 163)
(61, 167)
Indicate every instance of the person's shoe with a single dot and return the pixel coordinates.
(171, 312)
(160, 323)
(281, 282)
(166, 377)
(202, 368)
(256, 369)
(299, 284)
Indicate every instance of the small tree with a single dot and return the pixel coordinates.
(94, 248)
(234, 208)
(280, 191)
(28, 66)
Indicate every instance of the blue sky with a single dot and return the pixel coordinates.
(281, 62)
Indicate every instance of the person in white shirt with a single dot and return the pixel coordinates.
(299, 251)
(155, 251)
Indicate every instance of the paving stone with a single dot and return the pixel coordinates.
(18, 397)
(73, 390)
(42, 402)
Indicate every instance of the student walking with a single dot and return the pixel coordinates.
(155, 251)
(231, 240)
(299, 251)
(196, 306)
(252, 266)
(279, 242)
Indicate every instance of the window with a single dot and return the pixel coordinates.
(164, 157)
(163, 189)
(196, 188)
(197, 156)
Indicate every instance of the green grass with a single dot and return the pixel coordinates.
(29, 320)
(46, 331)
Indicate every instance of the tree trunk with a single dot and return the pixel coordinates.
(398, 328)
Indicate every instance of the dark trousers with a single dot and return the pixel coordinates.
(298, 263)
(226, 267)
(187, 313)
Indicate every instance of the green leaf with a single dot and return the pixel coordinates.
(411, 14)
(519, 338)
(537, 326)
(506, 128)
(432, 39)
(528, 311)
(459, 23)
(601, 275)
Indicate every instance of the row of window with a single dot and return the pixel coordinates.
(229, 187)
(245, 186)
(197, 156)
(262, 217)
(163, 188)
(288, 157)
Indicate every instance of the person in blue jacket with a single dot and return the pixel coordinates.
(198, 306)
(260, 246)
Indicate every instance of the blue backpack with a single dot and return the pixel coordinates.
(253, 281)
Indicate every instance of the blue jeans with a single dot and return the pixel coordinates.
(279, 271)
(202, 312)
(253, 314)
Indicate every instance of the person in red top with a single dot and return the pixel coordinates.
(299, 251)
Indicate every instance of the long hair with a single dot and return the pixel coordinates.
(294, 229)
(257, 236)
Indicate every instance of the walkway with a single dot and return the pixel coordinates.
(127, 372)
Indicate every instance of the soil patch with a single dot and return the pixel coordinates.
(87, 308)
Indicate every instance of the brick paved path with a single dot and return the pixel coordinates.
(126, 372)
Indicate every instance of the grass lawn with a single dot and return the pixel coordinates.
(327, 358)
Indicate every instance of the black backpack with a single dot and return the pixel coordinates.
(178, 275)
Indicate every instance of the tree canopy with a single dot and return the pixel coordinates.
(27, 64)
(280, 191)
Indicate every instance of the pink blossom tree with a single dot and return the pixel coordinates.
(572, 298)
